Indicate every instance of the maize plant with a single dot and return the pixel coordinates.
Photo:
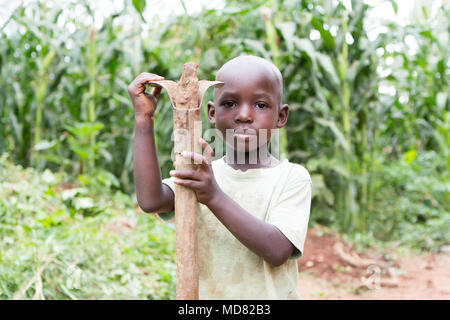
(356, 102)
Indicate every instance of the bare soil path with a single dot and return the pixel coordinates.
(331, 269)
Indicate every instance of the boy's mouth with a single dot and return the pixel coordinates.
(244, 134)
(245, 131)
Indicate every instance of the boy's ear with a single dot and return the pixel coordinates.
(211, 111)
(283, 115)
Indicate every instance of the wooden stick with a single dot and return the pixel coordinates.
(186, 97)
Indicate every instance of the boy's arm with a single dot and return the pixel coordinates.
(152, 195)
(261, 237)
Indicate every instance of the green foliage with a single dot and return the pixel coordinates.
(418, 58)
(77, 241)
(412, 203)
(359, 105)
(80, 142)
(62, 72)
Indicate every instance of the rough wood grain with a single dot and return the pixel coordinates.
(186, 134)
(186, 97)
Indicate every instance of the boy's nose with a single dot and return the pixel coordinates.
(244, 114)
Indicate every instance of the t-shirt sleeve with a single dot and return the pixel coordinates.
(291, 213)
(168, 216)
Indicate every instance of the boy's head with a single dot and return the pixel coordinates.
(249, 103)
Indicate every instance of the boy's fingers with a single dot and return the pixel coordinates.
(195, 157)
(198, 158)
(156, 92)
(209, 152)
(138, 84)
(187, 183)
(146, 76)
(185, 174)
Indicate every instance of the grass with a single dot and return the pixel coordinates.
(64, 103)
(65, 239)
(78, 241)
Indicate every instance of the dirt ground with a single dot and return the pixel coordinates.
(331, 269)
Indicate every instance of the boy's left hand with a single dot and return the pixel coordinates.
(202, 180)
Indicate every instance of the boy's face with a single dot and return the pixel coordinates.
(247, 107)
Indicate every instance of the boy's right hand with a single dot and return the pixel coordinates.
(144, 102)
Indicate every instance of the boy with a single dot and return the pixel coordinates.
(253, 214)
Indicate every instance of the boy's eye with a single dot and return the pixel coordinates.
(229, 104)
(261, 105)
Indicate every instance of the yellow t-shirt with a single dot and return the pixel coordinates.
(279, 195)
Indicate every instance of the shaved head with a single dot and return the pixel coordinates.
(252, 66)
(250, 99)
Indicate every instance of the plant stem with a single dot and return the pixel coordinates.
(92, 73)
(40, 91)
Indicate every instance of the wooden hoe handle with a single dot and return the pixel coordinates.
(186, 97)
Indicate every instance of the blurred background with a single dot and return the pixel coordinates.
(368, 87)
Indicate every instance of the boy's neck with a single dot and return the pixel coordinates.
(260, 158)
